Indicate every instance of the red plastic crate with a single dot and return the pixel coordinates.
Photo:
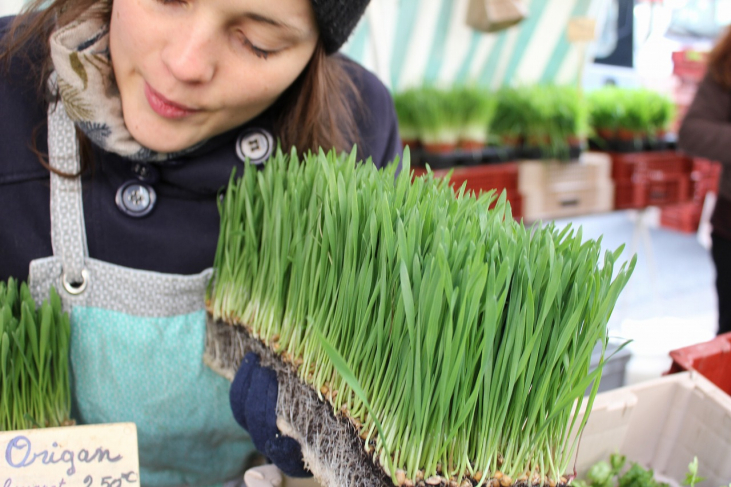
(707, 167)
(690, 65)
(711, 359)
(484, 178)
(628, 194)
(481, 178)
(700, 186)
(487, 177)
(667, 192)
(652, 165)
(709, 172)
(516, 204)
(641, 193)
(684, 217)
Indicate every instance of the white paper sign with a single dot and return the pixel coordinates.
(77, 456)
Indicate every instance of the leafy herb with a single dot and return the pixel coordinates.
(602, 474)
(692, 478)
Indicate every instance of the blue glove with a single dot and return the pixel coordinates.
(253, 399)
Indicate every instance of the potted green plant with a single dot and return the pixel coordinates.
(553, 120)
(477, 107)
(406, 104)
(512, 112)
(570, 116)
(538, 127)
(440, 120)
(34, 360)
(662, 114)
(635, 120)
(605, 111)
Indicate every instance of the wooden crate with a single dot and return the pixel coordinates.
(548, 203)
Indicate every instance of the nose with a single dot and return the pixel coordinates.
(190, 55)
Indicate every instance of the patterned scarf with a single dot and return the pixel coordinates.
(85, 82)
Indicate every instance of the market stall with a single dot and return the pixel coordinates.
(427, 323)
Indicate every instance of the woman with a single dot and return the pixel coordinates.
(144, 107)
(706, 132)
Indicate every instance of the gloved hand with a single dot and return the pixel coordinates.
(253, 399)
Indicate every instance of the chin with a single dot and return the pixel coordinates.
(166, 148)
(160, 135)
(161, 142)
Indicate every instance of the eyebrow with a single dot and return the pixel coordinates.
(276, 23)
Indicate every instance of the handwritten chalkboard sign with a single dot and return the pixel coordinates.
(77, 456)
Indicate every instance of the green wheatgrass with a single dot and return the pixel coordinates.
(34, 371)
(637, 109)
(457, 340)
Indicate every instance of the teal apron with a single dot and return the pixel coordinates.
(137, 342)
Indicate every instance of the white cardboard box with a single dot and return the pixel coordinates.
(662, 424)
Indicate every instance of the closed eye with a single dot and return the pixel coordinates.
(258, 52)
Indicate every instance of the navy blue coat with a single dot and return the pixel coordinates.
(180, 235)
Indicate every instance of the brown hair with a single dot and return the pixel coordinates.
(319, 106)
(317, 109)
(719, 61)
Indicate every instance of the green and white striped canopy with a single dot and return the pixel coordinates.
(408, 42)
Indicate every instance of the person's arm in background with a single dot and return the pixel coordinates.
(706, 128)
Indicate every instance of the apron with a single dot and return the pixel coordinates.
(137, 342)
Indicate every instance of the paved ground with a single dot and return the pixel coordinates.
(670, 301)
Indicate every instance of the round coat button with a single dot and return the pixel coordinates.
(135, 199)
(255, 144)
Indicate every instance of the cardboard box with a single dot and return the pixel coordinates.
(590, 170)
(662, 424)
(548, 204)
(558, 189)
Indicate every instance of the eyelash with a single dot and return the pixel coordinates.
(260, 53)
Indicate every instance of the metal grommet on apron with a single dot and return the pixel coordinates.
(137, 343)
(75, 288)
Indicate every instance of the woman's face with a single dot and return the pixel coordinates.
(191, 69)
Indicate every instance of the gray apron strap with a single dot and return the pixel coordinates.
(68, 232)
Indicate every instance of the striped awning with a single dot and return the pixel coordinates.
(409, 42)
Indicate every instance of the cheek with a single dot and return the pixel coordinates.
(263, 87)
(286, 72)
(129, 33)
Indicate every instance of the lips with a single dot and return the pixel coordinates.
(164, 107)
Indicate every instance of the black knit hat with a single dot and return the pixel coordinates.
(337, 19)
